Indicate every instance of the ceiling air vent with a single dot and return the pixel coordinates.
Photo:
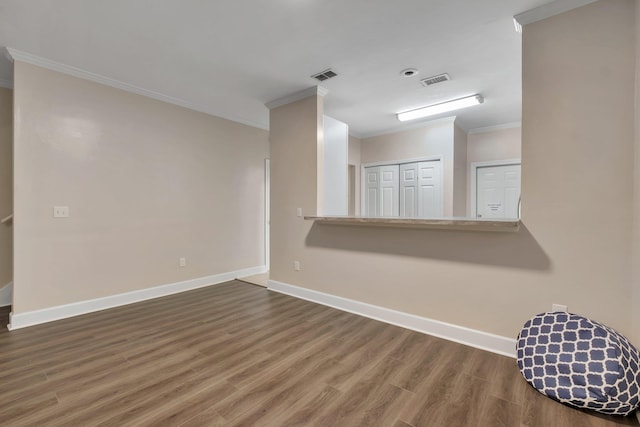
(435, 79)
(325, 75)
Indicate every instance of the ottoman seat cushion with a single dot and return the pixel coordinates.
(580, 362)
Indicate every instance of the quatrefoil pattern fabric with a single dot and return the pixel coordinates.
(580, 362)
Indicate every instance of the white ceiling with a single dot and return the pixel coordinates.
(229, 58)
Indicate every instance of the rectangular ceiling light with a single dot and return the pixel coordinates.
(432, 110)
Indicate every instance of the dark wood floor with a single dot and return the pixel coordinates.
(239, 355)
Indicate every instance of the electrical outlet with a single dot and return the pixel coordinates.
(296, 265)
(183, 262)
(559, 307)
(61, 211)
(299, 212)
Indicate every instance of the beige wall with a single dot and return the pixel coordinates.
(582, 219)
(293, 138)
(355, 145)
(574, 245)
(460, 175)
(6, 184)
(635, 305)
(433, 139)
(146, 183)
(502, 144)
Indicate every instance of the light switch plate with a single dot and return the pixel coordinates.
(61, 211)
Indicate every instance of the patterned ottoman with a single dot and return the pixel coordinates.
(580, 362)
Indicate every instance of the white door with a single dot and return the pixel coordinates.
(372, 186)
(409, 190)
(389, 190)
(421, 190)
(498, 191)
(267, 212)
(381, 191)
(430, 190)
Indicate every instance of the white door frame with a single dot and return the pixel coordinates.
(363, 190)
(267, 213)
(473, 185)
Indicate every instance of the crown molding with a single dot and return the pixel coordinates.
(6, 52)
(503, 126)
(356, 135)
(548, 10)
(17, 55)
(7, 84)
(312, 91)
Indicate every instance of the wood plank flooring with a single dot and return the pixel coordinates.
(239, 355)
(257, 279)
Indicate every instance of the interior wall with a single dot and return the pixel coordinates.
(293, 139)
(501, 144)
(146, 183)
(573, 245)
(635, 304)
(579, 212)
(6, 185)
(354, 159)
(460, 174)
(433, 139)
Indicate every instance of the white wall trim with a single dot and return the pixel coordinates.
(267, 214)
(7, 54)
(503, 126)
(437, 157)
(6, 295)
(548, 10)
(16, 55)
(356, 135)
(312, 91)
(460, 334)
(30, 318)
(473, 171)
(7, 84)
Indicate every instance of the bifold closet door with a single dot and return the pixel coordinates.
(421, 190)
(409, 190)
(382, 191)
(372, 187)
(430, 190)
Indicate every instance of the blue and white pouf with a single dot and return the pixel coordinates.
(580, 362)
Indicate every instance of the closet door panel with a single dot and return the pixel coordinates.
(409, 190)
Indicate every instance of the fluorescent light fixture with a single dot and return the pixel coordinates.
(432, 110)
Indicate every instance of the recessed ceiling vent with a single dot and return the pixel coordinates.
(325, 75)
(435, 79)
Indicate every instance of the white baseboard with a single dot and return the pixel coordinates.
(6, 295)
(36, 317)
(479, 339)
(251, 271)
